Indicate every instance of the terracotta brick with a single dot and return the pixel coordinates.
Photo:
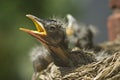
(114, 4)
(114, 26)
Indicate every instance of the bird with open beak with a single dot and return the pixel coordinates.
(52, 35)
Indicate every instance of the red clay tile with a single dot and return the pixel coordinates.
(114, 26)
(114, 4)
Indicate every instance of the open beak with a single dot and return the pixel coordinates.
(40, 32)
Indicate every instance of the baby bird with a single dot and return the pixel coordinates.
(80, 35)
(51, 34)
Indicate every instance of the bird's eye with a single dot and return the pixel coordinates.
(52, 28)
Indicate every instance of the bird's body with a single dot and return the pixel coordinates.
(81, 58)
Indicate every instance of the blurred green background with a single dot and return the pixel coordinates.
(15, 45)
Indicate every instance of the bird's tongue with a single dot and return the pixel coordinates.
(40, 33)
(39, 26)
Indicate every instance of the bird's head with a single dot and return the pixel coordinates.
(52, 35)
(48, 31)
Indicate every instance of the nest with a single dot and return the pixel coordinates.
(105, 69)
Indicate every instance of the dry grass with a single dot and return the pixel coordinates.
(106, 69)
